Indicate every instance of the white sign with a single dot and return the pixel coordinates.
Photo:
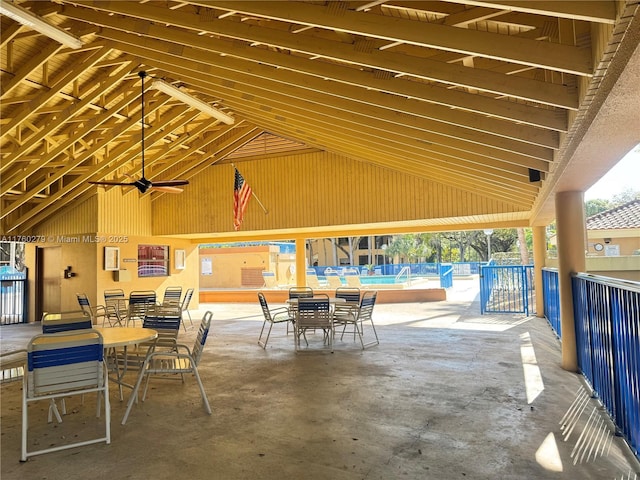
(206, 267)
(612, 250)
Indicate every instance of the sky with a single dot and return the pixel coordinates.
(624, 175)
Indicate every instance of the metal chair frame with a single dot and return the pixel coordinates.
(182, 360)
(276, 315)
(172, 296)
(139, 303)
(95, 312)
(184, 306)
(64, 322)
(61, 365)
(115, 304)
(314, 314)
(358, 316)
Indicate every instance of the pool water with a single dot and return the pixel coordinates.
(378, 279)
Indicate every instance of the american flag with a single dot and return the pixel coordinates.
(241, 195)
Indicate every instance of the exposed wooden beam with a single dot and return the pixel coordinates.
(599, 11)
(25, 111)
(562, 58)
(488, 81)
(151, 51)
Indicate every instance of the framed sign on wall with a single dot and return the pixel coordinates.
(112, 258)
(180, 259)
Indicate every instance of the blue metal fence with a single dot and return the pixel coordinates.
(13, 298)
(607, 319)
(507, 289)
(551, 295)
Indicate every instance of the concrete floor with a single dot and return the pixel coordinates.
(447, 394)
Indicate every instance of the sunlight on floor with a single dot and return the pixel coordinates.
(482, 324)
(532, 376)
(548, 455)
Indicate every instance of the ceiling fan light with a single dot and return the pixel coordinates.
(192, 101)
(31, 20)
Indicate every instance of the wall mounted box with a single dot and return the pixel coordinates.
(121, 276)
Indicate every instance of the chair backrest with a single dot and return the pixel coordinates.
(113, 293)
(65, 362)
(139, 303)
(313, 312)
(172, 295)
(270, 280)
(366, 305)
(166, 321)
(143, 296)
(300, 292)
(66, 321)
(350, 294)
(201, 338)
(187, 299)
(353, 280)
(265, 306)
(334, 280)
(84, 303)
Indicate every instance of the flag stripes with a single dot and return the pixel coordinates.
(241, 195)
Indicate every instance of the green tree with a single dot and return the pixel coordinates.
(625, 196)
(597, 205)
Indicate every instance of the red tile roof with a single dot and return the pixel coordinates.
(623, 216)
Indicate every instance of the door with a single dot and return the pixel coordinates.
(507, 289)
(48, 280)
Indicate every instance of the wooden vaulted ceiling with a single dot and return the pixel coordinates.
(471, 94)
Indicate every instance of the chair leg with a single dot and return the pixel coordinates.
(25, 424)
(53, 410)
(134, 393)
(202, 392)
(264, 345)
(146, 386)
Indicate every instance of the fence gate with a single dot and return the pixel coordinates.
(13, 298)
(507, 289)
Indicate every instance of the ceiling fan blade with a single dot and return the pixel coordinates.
(170, 183)
(123, 184)
(166, 189)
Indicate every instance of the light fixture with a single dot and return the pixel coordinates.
(192, 101)
(29, 19)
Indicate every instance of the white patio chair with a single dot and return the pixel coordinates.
(115, 303)
(97, 312)
(139, 303)
(184, 306)
(358, 316)
(181, 360)
(165, 320)
(63, 322)
(333, 280)
(270, 280)
(313, 314)
(277, 315)
(172, 296)
(61, 365)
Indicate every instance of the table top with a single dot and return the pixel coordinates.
(123, 336)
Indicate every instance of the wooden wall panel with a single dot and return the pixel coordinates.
(325, 189)
(80, 219)
(124, 211)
